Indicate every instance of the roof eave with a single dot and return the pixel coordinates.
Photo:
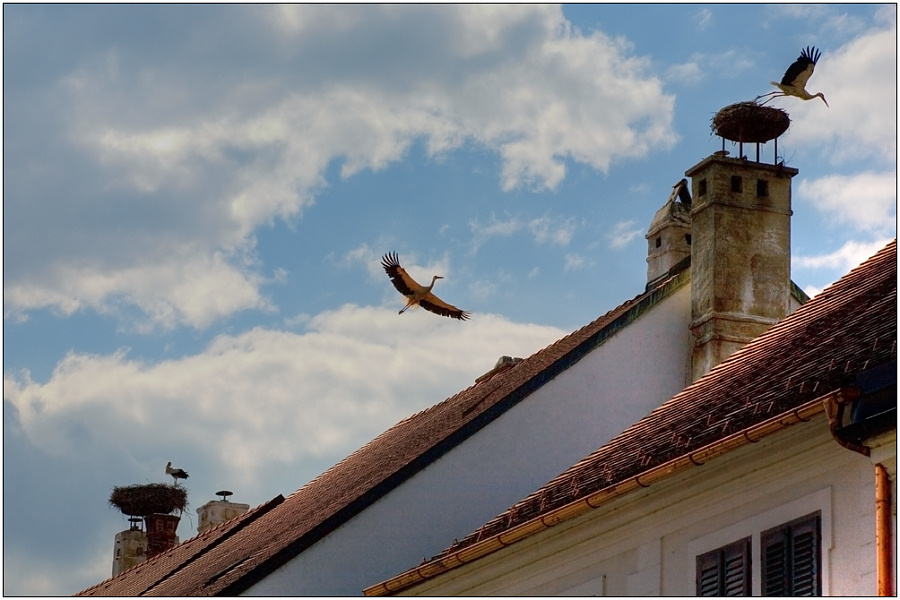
(596, 499)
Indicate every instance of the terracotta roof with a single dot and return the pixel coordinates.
(850, 327)
(229, 559)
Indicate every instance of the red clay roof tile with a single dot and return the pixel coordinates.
(230, 558)
(849, 327)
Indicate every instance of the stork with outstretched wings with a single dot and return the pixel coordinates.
(794, 81)
(416, 294)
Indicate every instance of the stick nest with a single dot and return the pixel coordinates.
(152, 498)
(750, 122)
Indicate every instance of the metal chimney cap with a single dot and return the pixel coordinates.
(224, 494)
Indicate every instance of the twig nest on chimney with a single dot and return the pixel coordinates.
(749, 122)
(148, 499)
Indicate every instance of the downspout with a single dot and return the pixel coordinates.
(884, 560)
(883, 546)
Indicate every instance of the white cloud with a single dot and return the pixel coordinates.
(204, 157)
(866, 202)
(812, 291)
(686, 73)
(849, 256)
(575, 262)
(553, 230)
(823, 17)
(558, 232)
(704, 18)
(729, 64)
(623, 233)
(278, 397)
(859, 80)
(180, 290)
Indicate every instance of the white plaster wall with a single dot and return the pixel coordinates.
(618, 383)
(646, 543)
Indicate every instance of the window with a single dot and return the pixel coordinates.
(762, 188)
(702, 190)
(725, 571)
(791, 557)
(737, 184)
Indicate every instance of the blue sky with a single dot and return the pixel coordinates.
(196, 199)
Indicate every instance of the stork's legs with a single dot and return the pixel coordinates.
(770, 95)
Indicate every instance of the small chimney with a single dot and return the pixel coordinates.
(503, 363)
(216, 512)
(669, 235)
(130, 548)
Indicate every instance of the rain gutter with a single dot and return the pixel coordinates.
(592, 501)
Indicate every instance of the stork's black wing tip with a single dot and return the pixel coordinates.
(390, 260)
(811, 53)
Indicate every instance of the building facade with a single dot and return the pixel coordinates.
(447, 471)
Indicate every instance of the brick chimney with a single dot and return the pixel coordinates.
(161, 533)
(740, 254)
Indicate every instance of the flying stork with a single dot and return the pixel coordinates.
(794, 81)
(175, 473)
(418, 295)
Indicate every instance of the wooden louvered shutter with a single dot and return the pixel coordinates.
(791, 558)
(726, 571)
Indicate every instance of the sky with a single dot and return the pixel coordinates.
(196, 199)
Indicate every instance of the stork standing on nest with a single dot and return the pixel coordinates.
(794, 81)
(418, 295)
(175, 473)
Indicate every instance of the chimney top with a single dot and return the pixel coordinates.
(502, 364)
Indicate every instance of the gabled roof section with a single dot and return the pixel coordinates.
(775, 380)
(231, 558)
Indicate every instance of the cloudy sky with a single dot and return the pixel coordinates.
(196, 199)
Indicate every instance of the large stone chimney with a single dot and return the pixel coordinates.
(740, 254)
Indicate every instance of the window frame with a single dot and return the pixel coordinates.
(719, 559)
(721, 530)
(788, 534)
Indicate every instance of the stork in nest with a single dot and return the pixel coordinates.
(175, 473)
